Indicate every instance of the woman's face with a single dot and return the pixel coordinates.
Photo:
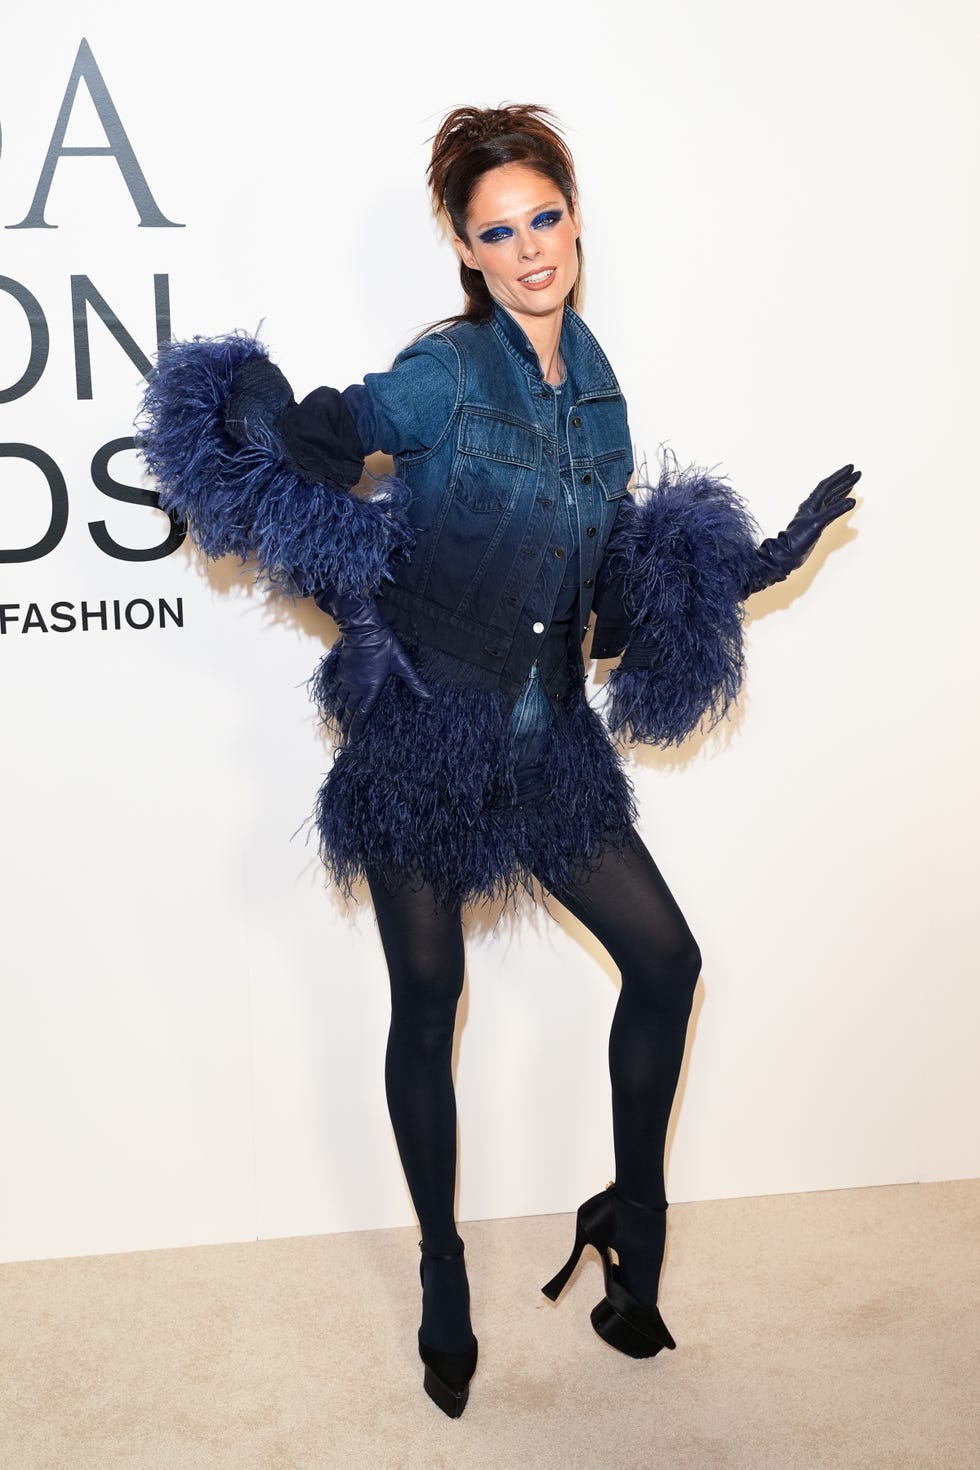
(522, 237)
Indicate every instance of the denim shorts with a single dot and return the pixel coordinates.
(530, 723)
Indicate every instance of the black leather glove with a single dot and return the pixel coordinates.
(782, 554)
(369, 653)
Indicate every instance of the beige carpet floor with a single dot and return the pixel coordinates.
(839, 1329)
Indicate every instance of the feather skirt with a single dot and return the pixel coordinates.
(428, 792)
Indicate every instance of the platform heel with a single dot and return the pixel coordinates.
(447, 1375)
(619, 1319)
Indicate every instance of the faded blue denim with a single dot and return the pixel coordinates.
(478, 436)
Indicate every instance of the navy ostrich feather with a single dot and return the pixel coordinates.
(682, 556)
(428, 792)
(246, 501)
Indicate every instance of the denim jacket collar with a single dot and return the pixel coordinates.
(583, 357)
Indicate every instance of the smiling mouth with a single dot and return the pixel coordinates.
(538, 278)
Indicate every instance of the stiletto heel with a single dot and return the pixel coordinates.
(557, 1284)
(634, 1329)
(594, 1225)
(447, 1375)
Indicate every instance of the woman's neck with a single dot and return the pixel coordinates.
(544, 335)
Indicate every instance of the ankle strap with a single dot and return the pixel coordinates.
(439, 1256)
(635, 1204)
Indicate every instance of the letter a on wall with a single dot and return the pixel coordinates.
(117, 147)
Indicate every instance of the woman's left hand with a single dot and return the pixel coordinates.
(782, 554)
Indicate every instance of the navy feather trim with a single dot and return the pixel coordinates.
(428, 792)
(682, 557)
(245, 500)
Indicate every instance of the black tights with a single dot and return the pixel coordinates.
(627, 905)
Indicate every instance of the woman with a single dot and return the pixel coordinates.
(470, 761)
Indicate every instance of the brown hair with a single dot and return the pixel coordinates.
(473, 140)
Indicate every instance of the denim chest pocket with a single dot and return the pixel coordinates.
(613, 472)
(603, 423)
(494, 456)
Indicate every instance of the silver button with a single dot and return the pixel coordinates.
(537, 627)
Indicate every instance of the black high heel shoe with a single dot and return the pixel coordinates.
(447, 1375)
(619, 1318)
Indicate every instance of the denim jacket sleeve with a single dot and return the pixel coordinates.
(403, 411)
(407, 410)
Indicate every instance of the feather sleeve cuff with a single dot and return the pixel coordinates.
(246, 500)
(681, 559)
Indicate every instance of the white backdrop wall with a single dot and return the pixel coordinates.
(782, 234)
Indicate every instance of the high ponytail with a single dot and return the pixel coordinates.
(473, 140)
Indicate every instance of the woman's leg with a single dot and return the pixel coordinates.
(423, 946)
(627, 905)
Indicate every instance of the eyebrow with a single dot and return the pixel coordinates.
(549, 204)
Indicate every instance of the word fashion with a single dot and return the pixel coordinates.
(85, 617)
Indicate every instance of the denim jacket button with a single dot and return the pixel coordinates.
(591, 531)
(576, 422)
(589, 581)
(586, 478)
(537, 627)
(559, 551)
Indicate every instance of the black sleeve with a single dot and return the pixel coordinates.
(612, 624)
(321, 438)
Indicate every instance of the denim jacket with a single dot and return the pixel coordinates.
(474, 432)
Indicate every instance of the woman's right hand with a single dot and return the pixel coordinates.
(369, 653)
